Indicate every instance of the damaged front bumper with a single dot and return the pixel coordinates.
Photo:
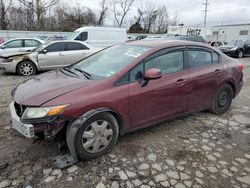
(26, 130)
(33, 129)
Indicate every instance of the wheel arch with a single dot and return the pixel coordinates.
(24, 61)
(113, 112)
(233, 87)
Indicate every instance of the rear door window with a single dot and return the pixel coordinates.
(197, 58)
(56, 47)
(75, 46)
(31, 43)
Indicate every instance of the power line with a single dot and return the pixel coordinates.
(206, 10)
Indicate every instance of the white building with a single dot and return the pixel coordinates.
(225, 33)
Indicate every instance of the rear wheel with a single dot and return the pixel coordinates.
(222, 100)
(97, 136)
(26, 68)
(240, 54)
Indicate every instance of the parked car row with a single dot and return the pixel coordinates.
(47, 56)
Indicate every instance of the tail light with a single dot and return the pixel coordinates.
(241, 67)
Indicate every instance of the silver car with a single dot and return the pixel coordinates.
(19, 45)
(51, 55)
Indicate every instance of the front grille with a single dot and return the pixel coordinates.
(19, 109)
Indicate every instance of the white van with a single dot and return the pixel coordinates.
(100, 36)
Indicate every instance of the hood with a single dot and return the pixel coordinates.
(227, 46)
(45, 87)
(13, 54)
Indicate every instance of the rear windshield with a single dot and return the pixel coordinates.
(108, 62)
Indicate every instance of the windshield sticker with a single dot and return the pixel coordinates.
(132, 54)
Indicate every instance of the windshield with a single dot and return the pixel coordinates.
(108, 62)
(73, 35)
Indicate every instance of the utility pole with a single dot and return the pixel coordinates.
(206, 10)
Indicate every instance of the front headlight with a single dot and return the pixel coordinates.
(233, 49)
(42, 112)
(7, 60)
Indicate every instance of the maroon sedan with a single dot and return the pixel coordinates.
(122, 89)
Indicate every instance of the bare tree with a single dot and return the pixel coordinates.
(151, 13)
(162, 20)
(103, 12)
(71, 18)
(39, 7)
(140, 15)
(4, 8)
(17, 18)
(121, 9)
(175, 19)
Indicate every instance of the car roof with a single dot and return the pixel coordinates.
(75, 41)
(42, 41)
(56, 41)
(166, 43)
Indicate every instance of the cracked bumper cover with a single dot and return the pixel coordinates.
(49, 127)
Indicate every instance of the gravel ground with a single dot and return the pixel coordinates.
(201, 150)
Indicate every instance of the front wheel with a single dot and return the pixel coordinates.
(26, 68)
(96, 136)
(222, 100)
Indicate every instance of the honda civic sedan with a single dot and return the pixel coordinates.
(122, 89)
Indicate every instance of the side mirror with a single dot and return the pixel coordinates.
(152, 74)
(3, 47)
(44, 51)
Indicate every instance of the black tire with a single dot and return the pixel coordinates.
(26, 68)
(222, 100)
(240, 54)
(88, 153)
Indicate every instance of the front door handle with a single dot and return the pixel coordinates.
(61, 54)
(181, 82)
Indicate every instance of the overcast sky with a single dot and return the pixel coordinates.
(190, 11)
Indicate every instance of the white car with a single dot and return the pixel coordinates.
(19, 45)
(51, 55)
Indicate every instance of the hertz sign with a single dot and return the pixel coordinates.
(191, 31)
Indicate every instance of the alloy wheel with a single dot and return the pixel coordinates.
(26, 69)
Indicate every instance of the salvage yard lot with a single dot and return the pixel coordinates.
(200, 150)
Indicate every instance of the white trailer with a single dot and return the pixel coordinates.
(226, 33)
(190, 30)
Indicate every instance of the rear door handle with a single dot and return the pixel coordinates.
(61, 54)
(180, 82)
(217, 71)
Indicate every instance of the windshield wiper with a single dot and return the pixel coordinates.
(86, 74)
(69, 70)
